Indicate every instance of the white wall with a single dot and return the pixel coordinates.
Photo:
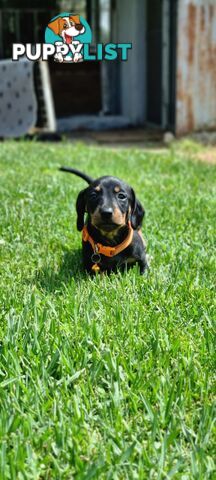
(130, 27)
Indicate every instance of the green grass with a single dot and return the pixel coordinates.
(110, 377)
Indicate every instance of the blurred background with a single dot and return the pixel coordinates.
(167, 84)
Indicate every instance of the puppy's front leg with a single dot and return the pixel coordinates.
(143, 264)
(77, 57)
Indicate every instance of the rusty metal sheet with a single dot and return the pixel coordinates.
(196, 66)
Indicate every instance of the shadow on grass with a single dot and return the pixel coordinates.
(71, 267)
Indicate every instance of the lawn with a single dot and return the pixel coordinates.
(106, 377)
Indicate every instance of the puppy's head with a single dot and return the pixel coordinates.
(110, 203)
(67, 27)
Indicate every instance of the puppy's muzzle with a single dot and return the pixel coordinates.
(106, 213)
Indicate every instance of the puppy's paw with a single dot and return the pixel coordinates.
(77, 58)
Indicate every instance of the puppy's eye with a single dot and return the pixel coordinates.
(65, 25)
(122, 196)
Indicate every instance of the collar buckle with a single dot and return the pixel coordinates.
(95, 258)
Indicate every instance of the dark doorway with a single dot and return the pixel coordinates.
(154, 61)
(76, 88)
(173, 5)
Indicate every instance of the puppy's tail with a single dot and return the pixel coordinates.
(85, 177)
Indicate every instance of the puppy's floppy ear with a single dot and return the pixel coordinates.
(81, 209)
(75, 18)
(55, 25)
(137, 212)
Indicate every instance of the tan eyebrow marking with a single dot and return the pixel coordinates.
(98, 188)
(117, 189)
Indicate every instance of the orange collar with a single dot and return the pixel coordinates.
(98, 248)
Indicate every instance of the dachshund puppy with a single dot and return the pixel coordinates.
(111, 235)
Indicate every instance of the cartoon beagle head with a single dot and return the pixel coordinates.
(67, 27)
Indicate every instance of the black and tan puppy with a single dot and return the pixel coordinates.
(112, 237)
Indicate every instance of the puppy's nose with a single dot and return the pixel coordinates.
(78, 26)
(106, 212)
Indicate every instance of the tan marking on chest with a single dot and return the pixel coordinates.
(130, 260)
(110, 235)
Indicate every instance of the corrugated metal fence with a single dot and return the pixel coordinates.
(196, 66)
